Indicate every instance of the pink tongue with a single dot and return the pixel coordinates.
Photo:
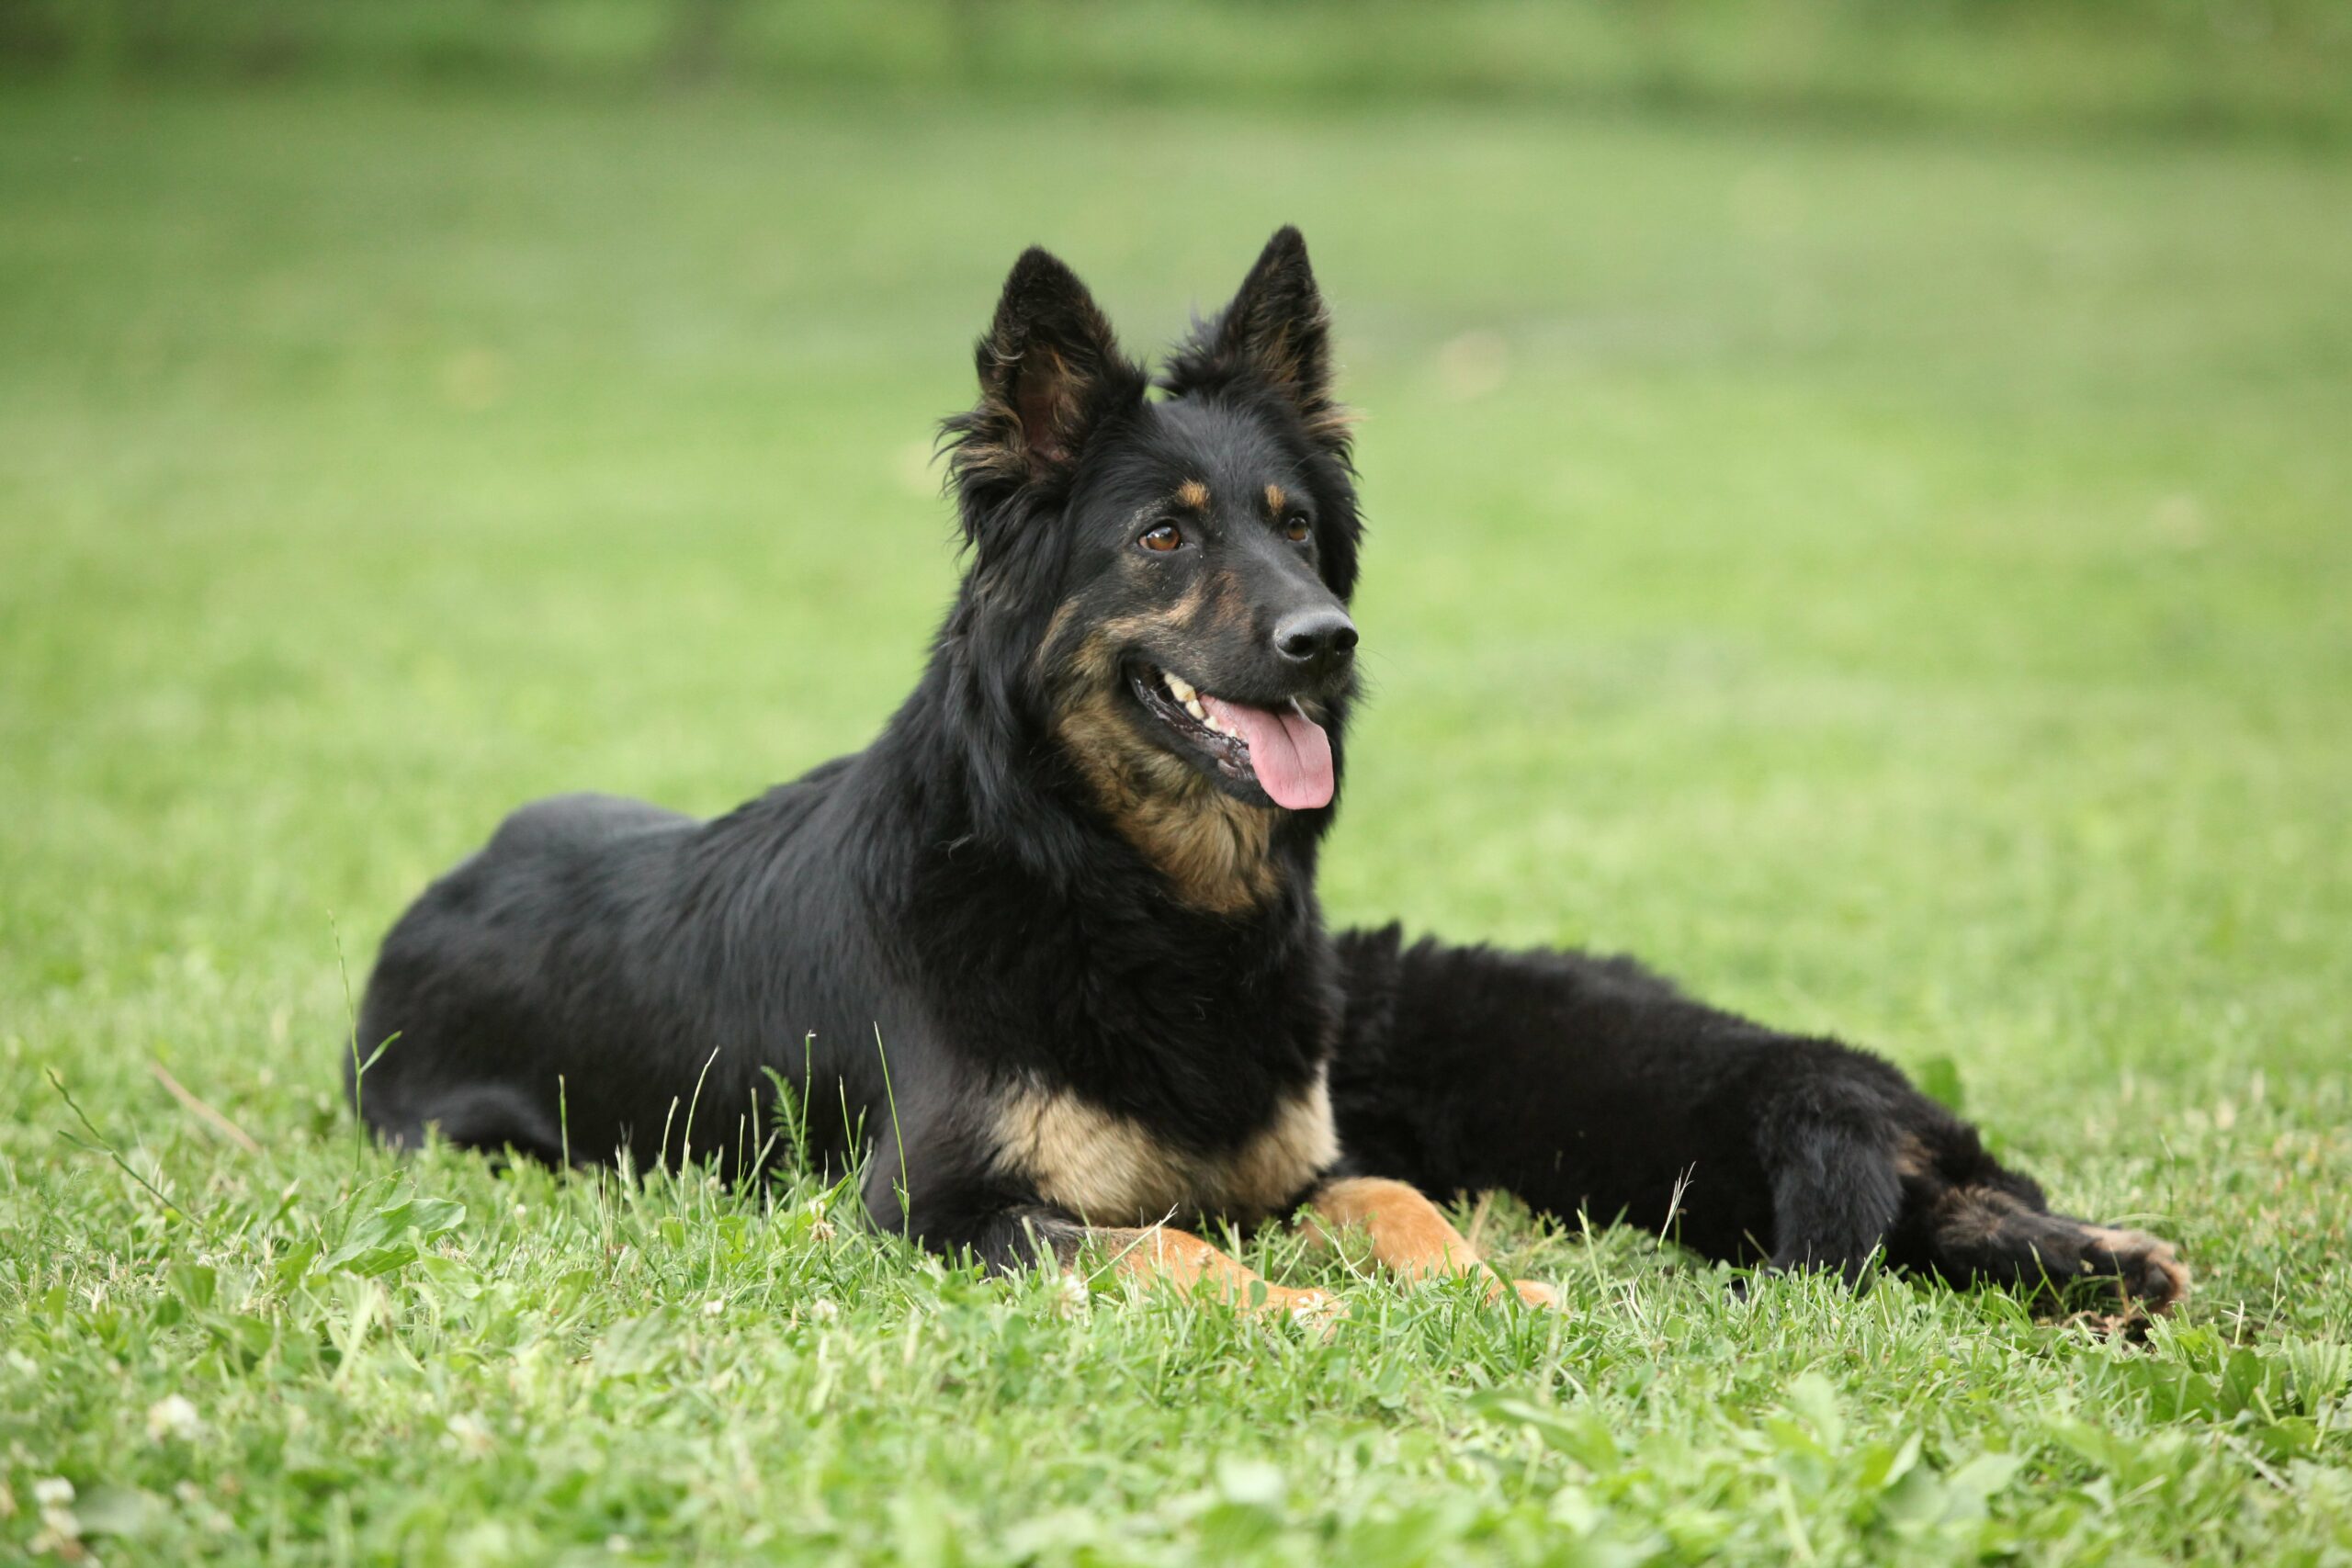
(1291, 752)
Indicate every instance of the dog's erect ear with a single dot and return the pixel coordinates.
(1276, 331)
(1049, 370)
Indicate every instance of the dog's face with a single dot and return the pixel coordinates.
(1194, 608)
(1184, 559)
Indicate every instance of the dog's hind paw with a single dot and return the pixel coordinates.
(2145, 1266)
(1992, 1236)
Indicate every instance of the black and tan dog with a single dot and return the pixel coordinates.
(1050, 945)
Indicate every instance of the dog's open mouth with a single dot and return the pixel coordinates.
(1281, 751)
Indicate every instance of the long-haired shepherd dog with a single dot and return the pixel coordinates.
(1052, 943)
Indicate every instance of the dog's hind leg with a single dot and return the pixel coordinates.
(1411, 1236)
(1858, 1160)
(1583, 1084)
(1985, 1234)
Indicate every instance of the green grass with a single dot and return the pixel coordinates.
(1897, 584)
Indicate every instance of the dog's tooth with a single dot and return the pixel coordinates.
(1178, 685)
(1193, 705)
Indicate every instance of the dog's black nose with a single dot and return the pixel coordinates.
(1316, 637)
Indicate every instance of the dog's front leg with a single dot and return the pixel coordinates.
(1411, 1235)
(1160, 1256)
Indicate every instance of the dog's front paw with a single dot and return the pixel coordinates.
(1535, 1293)
(1319, 1311)
(1530, 1292)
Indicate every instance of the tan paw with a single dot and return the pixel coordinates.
(1535, 1293)
(2146, 1267)
(1318, 1310)
(1530, 1292)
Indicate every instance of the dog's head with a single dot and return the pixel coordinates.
(1174, 569)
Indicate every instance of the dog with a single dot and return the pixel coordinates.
(1045, 958)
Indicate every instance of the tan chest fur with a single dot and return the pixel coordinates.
(1109, 1170)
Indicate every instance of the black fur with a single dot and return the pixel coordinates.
(1039, 879)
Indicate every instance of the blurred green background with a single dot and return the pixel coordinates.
(1858, 500)
(2271, 66)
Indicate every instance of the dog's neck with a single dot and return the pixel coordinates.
(983, 836)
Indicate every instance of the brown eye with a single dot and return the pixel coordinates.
(1163, 537)
(1296, 530)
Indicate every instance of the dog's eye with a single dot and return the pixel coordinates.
(1296, 530)
(1161, 536)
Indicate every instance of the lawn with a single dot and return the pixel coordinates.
(1895, 581)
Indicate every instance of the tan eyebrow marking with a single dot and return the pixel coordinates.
(1277, 500)
(1194, 494)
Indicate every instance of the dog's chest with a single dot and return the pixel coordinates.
(1113, 1170)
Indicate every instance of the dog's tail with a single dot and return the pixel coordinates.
(1827, 1141)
